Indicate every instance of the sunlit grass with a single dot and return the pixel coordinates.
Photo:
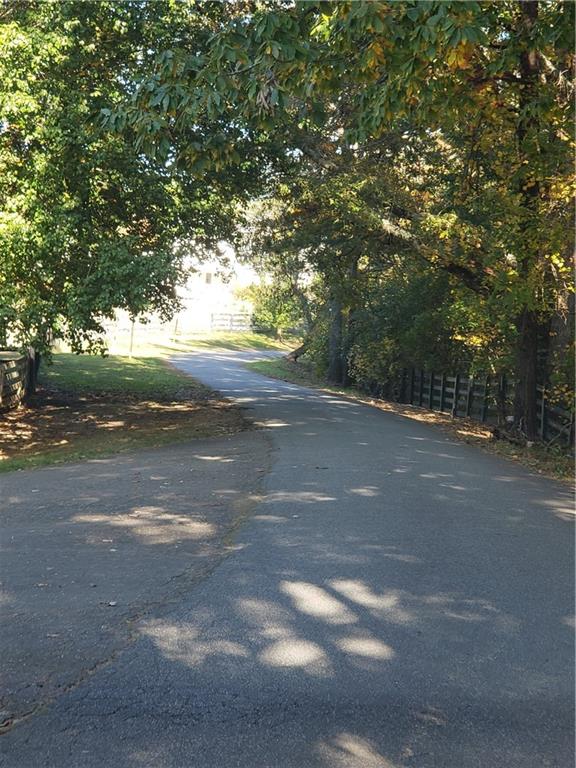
(240, 340)
(92, 374)
(146, 344)
(298, 373)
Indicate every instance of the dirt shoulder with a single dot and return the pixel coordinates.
(90, 548)
(69, 420)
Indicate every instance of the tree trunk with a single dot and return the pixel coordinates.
(304, 305)
(525, 395)
(335, 363)
(298, 352)
(525, 407)
(349, 334)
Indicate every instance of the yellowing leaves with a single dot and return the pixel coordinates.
(377, 51)
(460, 57)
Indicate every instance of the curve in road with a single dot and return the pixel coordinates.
(399, 598)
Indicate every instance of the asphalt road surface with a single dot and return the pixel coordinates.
(398, 598)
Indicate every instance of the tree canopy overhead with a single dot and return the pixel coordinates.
(88, 223)
(389, 145)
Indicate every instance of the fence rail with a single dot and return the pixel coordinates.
(483, 398)
(17, 377)
(230, 321)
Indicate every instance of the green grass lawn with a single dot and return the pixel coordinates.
(145, 377)
(156, 345)
(238, 340)
(301, 372)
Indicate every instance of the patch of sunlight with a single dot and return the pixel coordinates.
(471, 610)
(386, 605)
(171, 407)
(348, 750)
(5, 599)
(272, 423)
(296, 497)
(153, 525)
(181, 643)
(264, 614)
(465, 616)
(562, 510)
(292, 652)
(369, 491)
(315, 601)
(368, 647)
(402, 558)
(273, 623)
(484, 434)
(223, 459)
(441, 455)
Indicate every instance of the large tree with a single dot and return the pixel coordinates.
(489, 83)
(88, 223)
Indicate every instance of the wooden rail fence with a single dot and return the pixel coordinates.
(17, 377)
(484, 398)
(230, 321)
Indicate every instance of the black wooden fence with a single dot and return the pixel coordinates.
(486, 399)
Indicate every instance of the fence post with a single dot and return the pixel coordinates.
(442, 392)
(502, 399)
(30, 387)
(421, 386)
(403, 386)
(431, 391)
(543, 415)
(455, 401)
(469, 395)
(484, 412)
(131, 339)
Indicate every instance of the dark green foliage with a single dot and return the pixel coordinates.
(88, 224)
(411, 164)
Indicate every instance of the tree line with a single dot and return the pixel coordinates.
(401, 172)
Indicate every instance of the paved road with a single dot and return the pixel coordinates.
(397, 599)
(87, 549)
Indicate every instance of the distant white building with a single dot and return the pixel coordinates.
(210, 301)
